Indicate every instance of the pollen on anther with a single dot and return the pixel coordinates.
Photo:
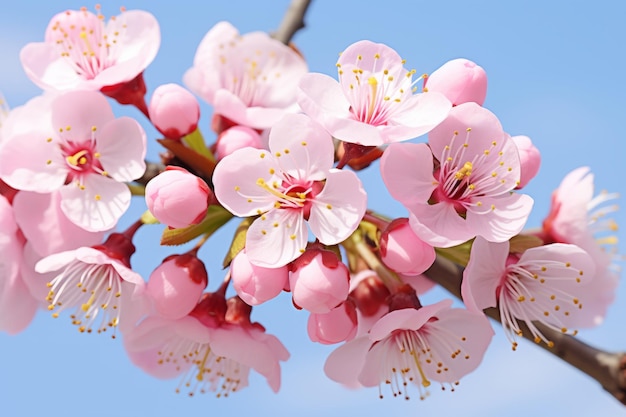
(328, 206)
(97, 197)
(49, 140)
(303, 143)
(292, 237)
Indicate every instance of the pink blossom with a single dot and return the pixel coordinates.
(547, 284)
(250, 79)
(468, 193)
(289, 186)
(176, 285)
(580, 218)
(210, 356)
(237, 137)
(319, 281)
(96, 282)
(81, 51)
(17, 305)
(174, 111)
(373, 102)
(80, 155)
(414, 346)
(338, 325)
(530, 159)
(460, 80)
(177, 198)
(256, 284)
(403, 251)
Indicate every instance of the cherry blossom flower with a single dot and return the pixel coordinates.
(547, 284)
(468, 192)
(291, 184)
(82, 156)
(17, 305)
(250, 79)
(580, 218)
(81, 51)
(96, 282)
(413, 346)
(373, 101)
(210, 354)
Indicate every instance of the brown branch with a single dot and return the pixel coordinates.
(608, 368)
(292, 22)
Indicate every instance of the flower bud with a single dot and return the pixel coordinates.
(174, 111)
(237, 137)
(177, 198)
(460, 80)
(255, 284)
(338, 325)
(403, 251)
(177, 284)
(319, 281)
(530, 159)
(369, 294)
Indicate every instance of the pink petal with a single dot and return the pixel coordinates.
(322, 98)
(46, 227)
(420, 114)
(339, 208)
(344, 364)
(406, 169)
(485, 128)
(98, 206)
(310, 148)
(230, 105)
(406, 319)
(235, 180)
(80, 110)
(258, 352)
(123, 160)
(276, 238)
(24, 163)
(505, 221)
(44, 67)
(483, 273)
(439, 225)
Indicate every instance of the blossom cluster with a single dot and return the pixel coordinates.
(285, 165)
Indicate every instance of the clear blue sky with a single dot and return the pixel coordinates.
(555, 74)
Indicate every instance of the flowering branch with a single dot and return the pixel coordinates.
(292, 21)
(608, 368)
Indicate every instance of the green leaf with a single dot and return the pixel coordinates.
(195, 141)
(239, 241)
(199, 163)
(520, 243)
(216, 217)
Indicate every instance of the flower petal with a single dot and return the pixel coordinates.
(338, 209)
(98, 206)
(307, 149)
(276, 238)
(483, 273)
(123, 160)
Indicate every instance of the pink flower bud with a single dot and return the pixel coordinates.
(403, 251)
(177, 284)
(338, 325)
(174, 111)
(177, 198)
(319, 281)
(460, 80)
(237, 137)
(530, 159)
(255, 284)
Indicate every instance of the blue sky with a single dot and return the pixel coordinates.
(555, 74)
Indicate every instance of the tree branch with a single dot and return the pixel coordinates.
(292, 21)
(608, 368)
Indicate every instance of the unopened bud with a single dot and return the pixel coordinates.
(174, 111)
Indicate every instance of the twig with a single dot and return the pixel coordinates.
(292, 22)
(608, 368)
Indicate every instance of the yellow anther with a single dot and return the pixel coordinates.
(466, 171)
